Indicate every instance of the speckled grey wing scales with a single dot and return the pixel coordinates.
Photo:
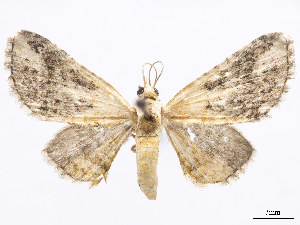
(84, 153)
(54, 87)
(243, 88)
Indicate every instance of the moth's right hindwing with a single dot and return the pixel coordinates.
(84, 152)
(209, 153)
(54, 87)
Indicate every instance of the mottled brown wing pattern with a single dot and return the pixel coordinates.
(84, 152)
(54, 87)
(242, 88)
(209, 153)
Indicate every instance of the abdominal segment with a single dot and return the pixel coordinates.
(146, 158)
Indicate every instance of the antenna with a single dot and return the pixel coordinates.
(156, 78)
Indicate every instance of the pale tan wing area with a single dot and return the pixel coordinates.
(54, 87)
(242, 88)
(209, 153)
(85, 152)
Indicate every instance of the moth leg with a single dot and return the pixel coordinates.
(133, 148)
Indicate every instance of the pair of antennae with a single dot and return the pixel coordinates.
(156, 78)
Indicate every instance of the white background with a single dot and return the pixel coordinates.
(114, 39)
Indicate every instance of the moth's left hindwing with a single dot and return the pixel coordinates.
(85, 152)
(54, 87)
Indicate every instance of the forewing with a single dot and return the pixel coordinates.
(209, 153)
(54, 87)
(242, 88)
(84, 152)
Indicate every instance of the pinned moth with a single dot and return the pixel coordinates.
(243, 88)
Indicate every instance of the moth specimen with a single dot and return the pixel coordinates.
(243, 88)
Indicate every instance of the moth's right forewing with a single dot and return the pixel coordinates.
(242, 88)
(54, 87)
(85, 153)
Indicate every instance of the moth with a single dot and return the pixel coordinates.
(52, 86)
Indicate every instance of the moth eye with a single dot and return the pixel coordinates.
(140, 91)
(156, 91)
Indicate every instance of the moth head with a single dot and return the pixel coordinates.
(149, 91)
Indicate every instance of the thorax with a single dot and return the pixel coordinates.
(149, 117)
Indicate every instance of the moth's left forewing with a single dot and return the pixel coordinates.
(52, 86)
(242, 88)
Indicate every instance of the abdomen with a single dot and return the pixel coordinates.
(147, 148)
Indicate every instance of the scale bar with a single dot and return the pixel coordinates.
(273, 218)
